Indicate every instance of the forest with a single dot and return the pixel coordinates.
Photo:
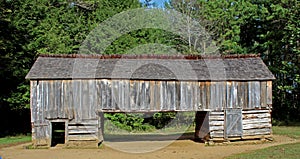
(29, 28)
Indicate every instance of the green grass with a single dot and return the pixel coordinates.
(287, 151)
(290, 131)
(14, 140)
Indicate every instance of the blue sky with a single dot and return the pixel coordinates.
(159, 3)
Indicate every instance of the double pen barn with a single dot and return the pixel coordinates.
(231, 94)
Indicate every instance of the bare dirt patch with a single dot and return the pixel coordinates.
(178, 149)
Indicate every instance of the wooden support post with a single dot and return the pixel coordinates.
(101, 127)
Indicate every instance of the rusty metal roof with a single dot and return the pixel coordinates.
(150, 67)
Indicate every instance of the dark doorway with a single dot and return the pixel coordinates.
(58, 133)
(202, 126)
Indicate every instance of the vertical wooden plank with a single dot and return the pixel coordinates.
(99, 94)
(188, 94)
(263, 94)
(158, 94)
(269, 92)
(69, 99)
(250, 95)
(39, 103)
(234, 95)
(132, 95)
(103, 94)
(257, 94)
(168, 96)
(123, 83)
(224, 99)
(171, 86)
(208, 96)
(199, 104)
(126, 95)
(246, 95)
(147, 95)
(213, 95)
(229, 94)
(77, 100)
(240, 94)
(43, 101)
(203, 95)
(196, 96)
(137, 98)
(142, 95)
(109, 97)
(92, 99)
(46, 99)
(178, 94)
(163, 97)
(152, 95)
(121, 95)
(33, 100)
(51, 96)
(183, 95)
(57, 91)
(63, 97)
(100, 126)
(190, 100)
(114, 94)
(85, 99)
(219, 95)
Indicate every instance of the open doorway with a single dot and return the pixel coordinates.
(58, 133)
(202, 126)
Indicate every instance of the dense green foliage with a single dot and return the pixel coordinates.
(128, 122)
(29, 28)
(132, 122)
(268, 27)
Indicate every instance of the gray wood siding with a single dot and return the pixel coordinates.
(81, 99)
(256, 122)
(253, 124)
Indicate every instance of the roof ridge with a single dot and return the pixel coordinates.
(150, 56)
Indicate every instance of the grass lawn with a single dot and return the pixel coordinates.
(14, 140)
(287, 151)
(290, 131)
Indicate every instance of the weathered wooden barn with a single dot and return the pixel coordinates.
(232, 95)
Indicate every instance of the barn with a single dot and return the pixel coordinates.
(231, 94)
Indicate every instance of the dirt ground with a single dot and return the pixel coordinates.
(178, 149)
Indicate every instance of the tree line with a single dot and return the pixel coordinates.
(29, 28)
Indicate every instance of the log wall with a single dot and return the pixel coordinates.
(255, 124)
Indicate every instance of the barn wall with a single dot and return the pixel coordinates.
(79, 101)
(254, 124)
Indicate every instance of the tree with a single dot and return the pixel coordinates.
(267, 27)
(29, 28)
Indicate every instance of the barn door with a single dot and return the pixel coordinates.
(233, 121)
